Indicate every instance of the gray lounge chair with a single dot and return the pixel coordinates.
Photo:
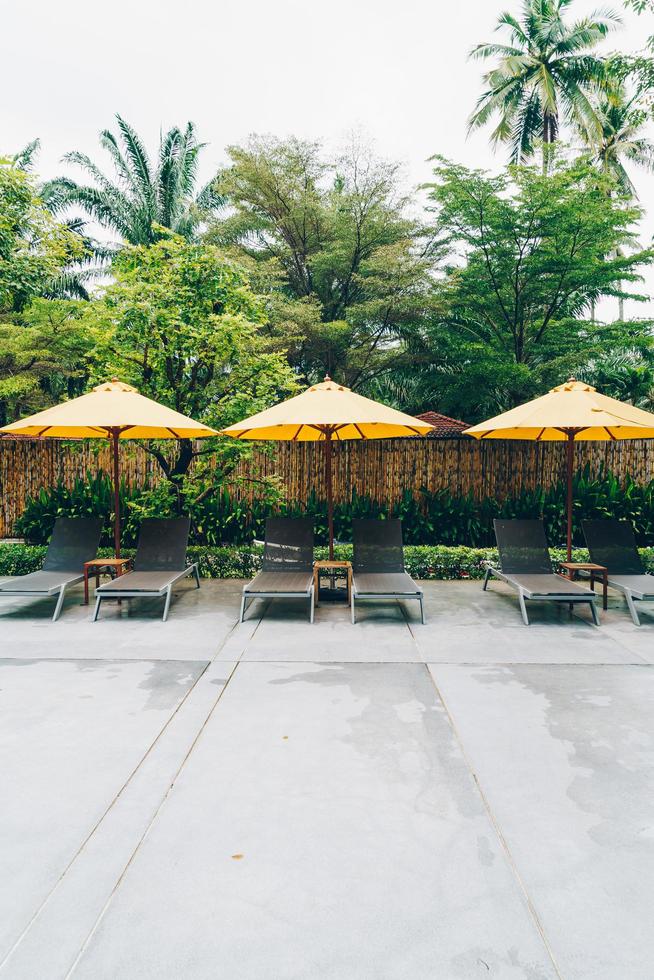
(378, 564)
(287, 567)
(159, 563)
(612, 543)
(74, 540)
(525, 565)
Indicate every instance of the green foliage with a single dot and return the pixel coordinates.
(535, 253)
(182, 324)
(545, 74)
(332, 247)
(93, 496)
(34, 248)
(44, 357)
(428, 518)
(620, 137)
(141, 199)
(421, 562)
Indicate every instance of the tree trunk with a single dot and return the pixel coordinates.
(549, 138)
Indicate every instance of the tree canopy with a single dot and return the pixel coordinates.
(331, 245)
(528, 256)
(34, 248)
(140, 197)
(182, 325)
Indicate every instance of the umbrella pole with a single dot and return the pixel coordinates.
(114, 441)
(328, 485)
(571, 458)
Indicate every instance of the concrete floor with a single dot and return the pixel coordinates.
(280, 801)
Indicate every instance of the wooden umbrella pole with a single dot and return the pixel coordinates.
(114, 439)
(571, 459)
(328, 485)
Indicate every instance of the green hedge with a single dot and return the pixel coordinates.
(422, 561)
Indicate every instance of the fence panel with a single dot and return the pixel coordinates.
(383, 469)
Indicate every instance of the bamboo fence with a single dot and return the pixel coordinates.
(381, 469)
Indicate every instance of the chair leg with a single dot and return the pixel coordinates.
(523, 608)
(196, 573)
(632, 608)
(486, 578)
(169, 592)
(311, 604)
(352, 606)
(243, 599)
(593, 609)
(60, 602)
(422, 610)
(97, 608)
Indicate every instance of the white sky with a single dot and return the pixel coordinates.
(396, 70)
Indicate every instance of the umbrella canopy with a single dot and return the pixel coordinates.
(113, 410)
(569, 413)
(328, 410)
(325, 412)
(110, 407)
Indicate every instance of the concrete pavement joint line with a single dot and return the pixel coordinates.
(498, 831)
(95, 827)
(122, 789)
(167, 793)
(145, 833)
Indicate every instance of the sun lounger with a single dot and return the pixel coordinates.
(287, 567)
(74, 540)
(160, 563)
(378, 564)
(612, 543)
(525, 565)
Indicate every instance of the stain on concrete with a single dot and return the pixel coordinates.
(417, 743)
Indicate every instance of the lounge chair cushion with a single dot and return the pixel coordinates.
(38, 582)
(548, 585)
(296, 582)
(640, 585)
(384, 583)
(140, 582)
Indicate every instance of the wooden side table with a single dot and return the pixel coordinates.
(324, 565)
(97, 565)
(597, 572)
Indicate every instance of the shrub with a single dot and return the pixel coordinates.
(422, 562)
(429, 517)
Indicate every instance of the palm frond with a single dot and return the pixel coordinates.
(26, 157)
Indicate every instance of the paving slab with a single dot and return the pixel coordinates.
(325, 825)
(285, 633)
(71, 735)
(199, 621)
(565, 758)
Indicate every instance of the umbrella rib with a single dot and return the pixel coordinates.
(359, 431)
(299, 430)
(610, 434)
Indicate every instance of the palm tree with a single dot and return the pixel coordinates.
(620, 138)
(544, 76)
(140, 197)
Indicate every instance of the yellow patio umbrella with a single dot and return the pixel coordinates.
(114, 411)
(323, 413)
(569, 413)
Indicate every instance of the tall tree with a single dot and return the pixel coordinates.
(140, 198)
(35, 249)
(45, 356)
(533, 252)
(333, 247)
(543, 76)
(181, 323)
(621, 139)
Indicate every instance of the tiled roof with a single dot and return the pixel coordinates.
(444, 426)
